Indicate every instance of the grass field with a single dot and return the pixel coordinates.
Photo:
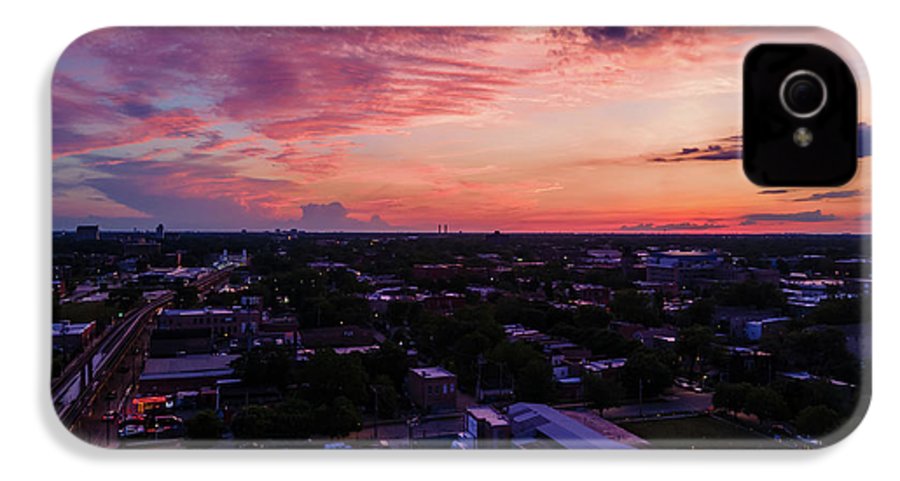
(699, 432)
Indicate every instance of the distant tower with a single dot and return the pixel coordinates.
(160, 232)
(446, 228)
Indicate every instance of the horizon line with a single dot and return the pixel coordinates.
(473, 232)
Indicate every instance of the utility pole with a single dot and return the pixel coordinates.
(375, 391)
(641, 397)
(478, 392)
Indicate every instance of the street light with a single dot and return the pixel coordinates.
(410, 424)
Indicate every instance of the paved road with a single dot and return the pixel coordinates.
(679, 401)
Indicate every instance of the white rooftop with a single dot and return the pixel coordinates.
(432, 372)
(529, 419)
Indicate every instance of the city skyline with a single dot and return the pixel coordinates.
(600, 130)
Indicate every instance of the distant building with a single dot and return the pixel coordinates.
(734, 319)
(87, 232)
(444, 302)
(683, 268)
(222, 321)
(432, 388)
(591, 294)
(805, 293)
(755, 330)
(160, 232)
(436, 272)
(72, 337)
(141, 248)
(605, 258)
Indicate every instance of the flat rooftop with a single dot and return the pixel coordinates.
(432, 372)
(194, 365)
(540, 420)
(222, 311)
(488, 415)
(71, 329)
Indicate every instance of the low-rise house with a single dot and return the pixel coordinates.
(432, 388)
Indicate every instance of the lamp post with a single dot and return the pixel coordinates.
(134, 354)
(410, 424)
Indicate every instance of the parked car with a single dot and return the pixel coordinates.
(167, 426)
(132, 426)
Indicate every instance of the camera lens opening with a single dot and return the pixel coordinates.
(803, 94)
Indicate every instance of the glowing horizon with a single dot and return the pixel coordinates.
(594, 130)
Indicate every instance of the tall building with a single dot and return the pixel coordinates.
(160, 232)
(87, 232)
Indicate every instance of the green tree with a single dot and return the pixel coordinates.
(731, 396)
(648, 370)
(817, 420)
(752, 293)
(766, 403)
(253, 422)
(266, 366)
(336, 419)
(602, 393)
(205, 425)
(388, 398)
(694, 344)
(534, 382)
(328, 375)
(838, 311)
(700, 312)
(633, 306)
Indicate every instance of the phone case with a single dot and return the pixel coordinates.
(444, 238)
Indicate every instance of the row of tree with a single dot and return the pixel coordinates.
(811, 416)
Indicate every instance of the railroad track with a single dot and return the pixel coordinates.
(70, 396)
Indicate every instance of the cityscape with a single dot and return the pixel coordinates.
(449, 340)
(443, 238)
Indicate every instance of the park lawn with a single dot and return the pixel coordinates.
(698, 432)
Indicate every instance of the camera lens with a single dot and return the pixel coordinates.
(803, 94)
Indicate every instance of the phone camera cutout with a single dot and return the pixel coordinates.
(803, 94)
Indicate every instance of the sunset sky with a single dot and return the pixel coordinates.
(521, 130)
